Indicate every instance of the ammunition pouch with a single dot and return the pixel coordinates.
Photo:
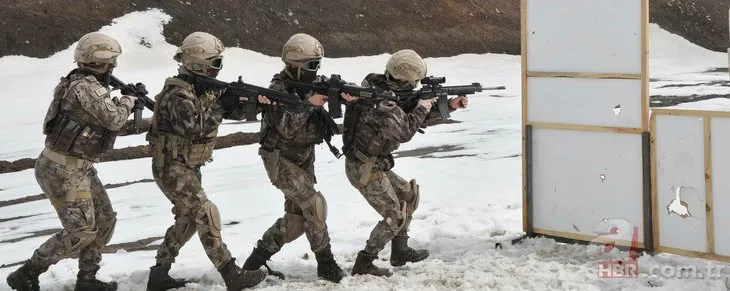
(190, 152)
(366, 168)
(70, 136)
(74, 172)
(370, 163)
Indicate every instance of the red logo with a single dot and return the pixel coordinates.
(621, 268)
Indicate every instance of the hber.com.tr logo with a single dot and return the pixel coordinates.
(611, 232)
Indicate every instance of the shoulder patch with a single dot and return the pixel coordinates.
(100, 91)
(110, 104)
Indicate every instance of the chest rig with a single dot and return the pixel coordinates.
(165, 145)
(70, 135)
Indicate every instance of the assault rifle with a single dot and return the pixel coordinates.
(407, 99)
(140, 91)
(333, 87)
(230, 100)
(432, 88)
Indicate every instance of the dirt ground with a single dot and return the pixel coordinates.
(39, 28)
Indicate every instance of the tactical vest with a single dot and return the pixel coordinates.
(353, 140)
(167, 145)
(358, 112)
(270, 139)
(69, 135)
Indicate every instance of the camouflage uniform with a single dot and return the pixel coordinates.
(288, 137)
(81, 123)
(182, 138)
(372, 131)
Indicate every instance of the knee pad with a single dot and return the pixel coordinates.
(292, 227)
(208, 216)
(84, 236)
(315, 210)
(413, 204)
(397, 220)
(104, 235)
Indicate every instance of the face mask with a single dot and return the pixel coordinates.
(211, 72)
(303, 75)
(307, 76)
(406, 87)
(104, 79)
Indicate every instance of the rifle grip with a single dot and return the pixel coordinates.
(333, 103)
(250, 111)
(443, 106)
(137, 117)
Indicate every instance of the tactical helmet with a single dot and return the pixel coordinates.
(304, 51)
(406, 65)
(199, 52)
(97, 48)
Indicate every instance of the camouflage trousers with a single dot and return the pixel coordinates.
(394, 198)
(84, 209)
(305, 209)
(193, 212)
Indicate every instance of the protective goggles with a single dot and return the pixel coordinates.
(215, 62)
(403, 84)
(310, 65)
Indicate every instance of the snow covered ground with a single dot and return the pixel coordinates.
(471, 191)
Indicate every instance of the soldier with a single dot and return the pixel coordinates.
(288, 138)
(371, 133)
(182, 137)
(82, 122)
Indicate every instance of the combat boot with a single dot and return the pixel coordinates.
(160, 279)
(24, 278)
(258, 258)
(401, 253)
(86, 281)
(327, 267)
(238, 279)
(364, 266)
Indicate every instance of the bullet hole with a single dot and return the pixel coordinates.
(677, 205)
(617, 110)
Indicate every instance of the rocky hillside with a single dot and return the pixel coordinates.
(39, 28)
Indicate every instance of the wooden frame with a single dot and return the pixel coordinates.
(523, 54)
(650, 209)
(706, 116)
(583, 75)
(526, 160)
(586, 238)
(581, 127)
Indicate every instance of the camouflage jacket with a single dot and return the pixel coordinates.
(83, 120)
(185, 123)
(295, 132)
(376, 130)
